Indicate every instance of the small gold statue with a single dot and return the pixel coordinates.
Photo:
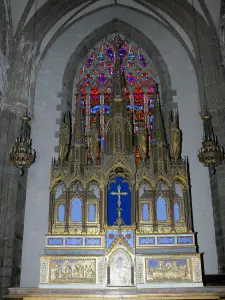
(93, 143)
(175, 136)
(142, 145)
(65, 136)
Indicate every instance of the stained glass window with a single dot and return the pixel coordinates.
(96, 80)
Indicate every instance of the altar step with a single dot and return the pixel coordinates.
(119, 293)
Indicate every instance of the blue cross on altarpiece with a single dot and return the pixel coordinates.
(125, 199)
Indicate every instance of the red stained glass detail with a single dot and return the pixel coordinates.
(95, 95)
(138, 93)
(151, 89)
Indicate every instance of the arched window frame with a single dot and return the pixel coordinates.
(70, 209)
(167, 209)
(96, 202)
(57, 203)
(148, 201)
(180, 202)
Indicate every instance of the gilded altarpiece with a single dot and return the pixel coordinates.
(119, 206)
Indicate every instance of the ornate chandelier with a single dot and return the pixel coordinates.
(210, 154)
(22, 156)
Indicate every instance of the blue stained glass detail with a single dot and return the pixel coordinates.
(55, 241)
(74, 241)
(185, 239)
(90, 60)
(92, 241)
(94, 109)
(135, 106)
(146, 240)
(166, 240)
(110, 53)
(122, 52)
(131, 55)
(142, 59)
(102, 78)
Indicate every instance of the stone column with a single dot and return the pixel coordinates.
(50, 213)
(171, 193)
(217, 182)
(84, 210)
(12, 205)
(155, 225)
(133, 200)
(105, 204)
(101, 208)
(67, 211)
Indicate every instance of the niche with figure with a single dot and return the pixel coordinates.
(120, 270)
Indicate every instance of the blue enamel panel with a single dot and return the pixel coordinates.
(185, 240)
(166, 240)
(74, 241)
(92, 241)
(146, 240)
(55, 241)
(110, 237)
(129, 237)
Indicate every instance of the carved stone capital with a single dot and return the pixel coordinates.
(15, 107)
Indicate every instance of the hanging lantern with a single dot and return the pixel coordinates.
(211, 154)
(22, 156)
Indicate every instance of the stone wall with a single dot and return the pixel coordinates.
(12, 205)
